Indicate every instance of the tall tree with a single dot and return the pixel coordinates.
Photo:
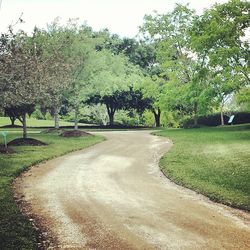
(179, 65)
(220, 35)
(152, 88)
(55, 43)
(111, 76)
(222, 31)
(139, 53)
(80, 55)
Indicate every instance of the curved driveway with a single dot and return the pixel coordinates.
(113, 196)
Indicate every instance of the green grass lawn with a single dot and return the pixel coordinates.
(31, 122)
(16, 232)
(211, 161)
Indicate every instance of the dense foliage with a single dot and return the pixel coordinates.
(181, 66)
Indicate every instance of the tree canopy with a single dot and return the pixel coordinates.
(181, 64)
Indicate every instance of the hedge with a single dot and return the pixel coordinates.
(213, 120)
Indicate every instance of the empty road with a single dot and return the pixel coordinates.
(113, 196)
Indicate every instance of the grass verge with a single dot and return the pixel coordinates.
(16, 232)
(211, 161)
(31, 122)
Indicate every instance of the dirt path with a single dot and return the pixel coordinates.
(113, 196)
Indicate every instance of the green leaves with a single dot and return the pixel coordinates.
(243, 97)
(204, 58)
(220, 32)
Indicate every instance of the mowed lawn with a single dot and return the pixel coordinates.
(211, 161)
(31, 122)
(16, 232)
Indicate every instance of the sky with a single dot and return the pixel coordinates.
(122, 17)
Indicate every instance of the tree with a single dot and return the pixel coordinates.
(139, 53)
(56, 71)
(20, 112)
(144, 55)
(131, 99)
(12, 115)
(179, 66)
(80, 55)
(222, 32)
(219, 35)
(243, 97)
(152, 88)
(20, 80)
(112, 75)
(112, 102)
(224, 84)
(33, 71)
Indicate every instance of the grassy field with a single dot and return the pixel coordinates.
(16, 231)
(211, 161)
(31, 122)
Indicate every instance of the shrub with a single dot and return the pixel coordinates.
(207, 120)
(215, 120)
(241, 118)
(212, 120)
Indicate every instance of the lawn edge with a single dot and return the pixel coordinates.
(196, 190)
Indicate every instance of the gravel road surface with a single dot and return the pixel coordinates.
(113, 196)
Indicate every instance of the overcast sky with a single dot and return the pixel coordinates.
(119, 16)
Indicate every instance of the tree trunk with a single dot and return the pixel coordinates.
(56, 117)
(157, 115)
(76, 119)
(111, 118)
(195, 120)
(195, 114)
(111, 113)
(24, 126)
(12, 119)
(222, 116)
